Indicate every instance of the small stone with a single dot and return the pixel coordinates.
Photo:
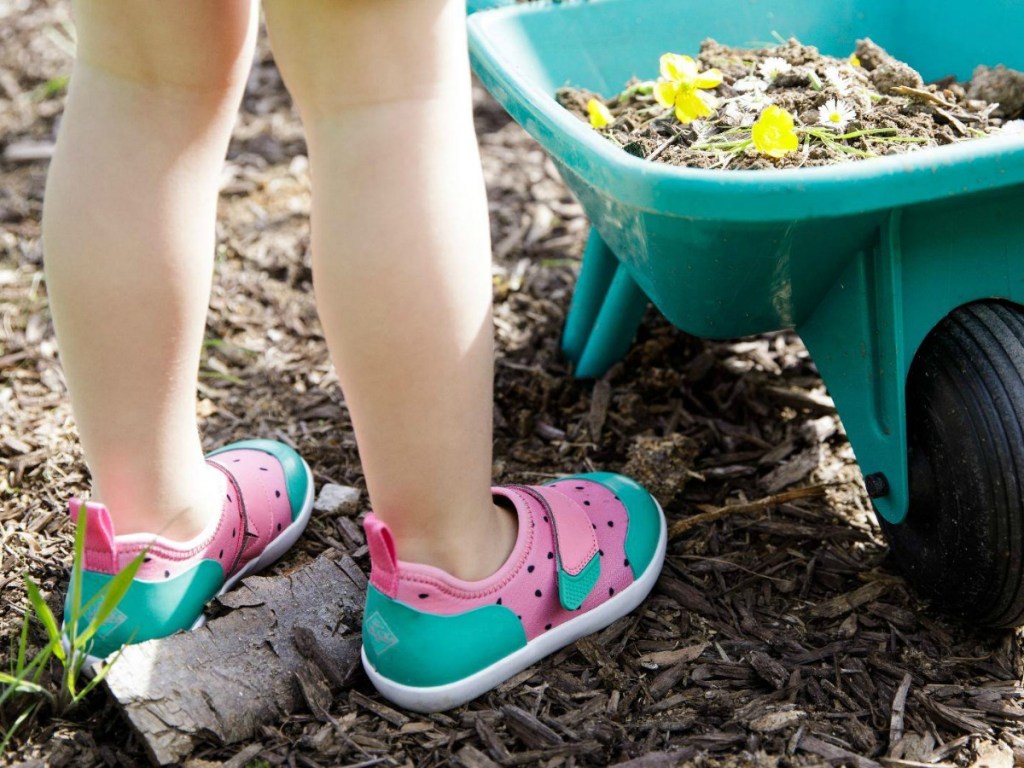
(28, 151)
(776, 721)
(337, 498)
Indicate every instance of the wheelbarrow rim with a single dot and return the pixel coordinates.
(859, 187)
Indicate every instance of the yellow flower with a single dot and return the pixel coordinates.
(854, 60)
(682, 86)
(773, 133)
(600, 115)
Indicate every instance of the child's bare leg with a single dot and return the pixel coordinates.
(129, 242)
(401, 256)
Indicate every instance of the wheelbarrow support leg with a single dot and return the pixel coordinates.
(864, 335)
(606, 311)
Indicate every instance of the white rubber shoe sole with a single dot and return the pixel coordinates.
(441, 697)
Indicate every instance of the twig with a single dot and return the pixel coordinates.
(917, 93)
(760, 505)
(664, 145)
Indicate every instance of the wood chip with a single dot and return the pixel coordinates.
(834, 754)
(899, 703)
(531, 731)
(843, 604)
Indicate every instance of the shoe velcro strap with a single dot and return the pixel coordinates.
(237, 500)
(579, 562)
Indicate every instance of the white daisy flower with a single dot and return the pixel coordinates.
(772, 67)
(834, 77)
(736, 114)
(835, 113)
(1013, 128)
(749, 83)
(754, 101)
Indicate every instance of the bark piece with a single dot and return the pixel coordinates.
(834, 754)
(531, 731)
(239, 671)
(769, 670)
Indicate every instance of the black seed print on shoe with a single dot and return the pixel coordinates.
(611, 591)
(235, 461)
(424, 595)
(277, 494)
(579, 487)
(229, 496)
(600, 553)
(537, 593)
(529, 568)
(626, 562)
(611, 523)
(167, 574)
(221, 555)
(499, 601)
(594, 526)
(279, 526)
(233, 533)
(551, 555)
(264, 469)
(545, 518)
(146, 559)
(547, 627)
(586, 503)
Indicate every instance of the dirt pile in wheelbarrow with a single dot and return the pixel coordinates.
(789, 106)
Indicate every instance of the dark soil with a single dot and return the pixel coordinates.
(778, 634)
(881, 94)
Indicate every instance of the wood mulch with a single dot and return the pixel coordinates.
(778, 633)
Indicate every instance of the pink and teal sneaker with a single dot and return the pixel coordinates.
(589, 550)
(268, 501)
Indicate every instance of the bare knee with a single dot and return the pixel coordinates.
(188, 45)
(335, 55)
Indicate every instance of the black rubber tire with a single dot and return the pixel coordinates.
(962, 543)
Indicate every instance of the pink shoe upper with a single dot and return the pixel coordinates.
(567, 522)
(256, 510)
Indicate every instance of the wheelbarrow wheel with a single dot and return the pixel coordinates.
(962, 542)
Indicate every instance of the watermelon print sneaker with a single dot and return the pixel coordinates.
(268, 501)
(588, 551)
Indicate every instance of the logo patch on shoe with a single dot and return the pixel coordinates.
(114, 620)
(380, 633)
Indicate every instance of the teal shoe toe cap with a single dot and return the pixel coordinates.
(296, 473)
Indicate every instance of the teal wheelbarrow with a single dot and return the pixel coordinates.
(903, 275)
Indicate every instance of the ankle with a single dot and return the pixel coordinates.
(474, 551)
(179, 514)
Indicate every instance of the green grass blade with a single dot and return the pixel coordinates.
(100, 676)
(17, 724)
(45, 616)
(77, 567)
(22, 686)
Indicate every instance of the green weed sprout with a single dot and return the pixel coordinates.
(24, 689)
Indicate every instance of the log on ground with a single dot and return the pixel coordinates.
(242, 670)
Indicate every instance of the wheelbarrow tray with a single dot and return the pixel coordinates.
(862, 258)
